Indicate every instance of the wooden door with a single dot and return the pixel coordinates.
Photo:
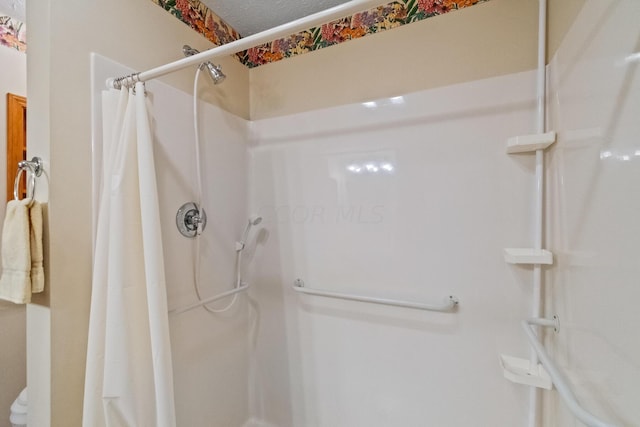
(16, 141)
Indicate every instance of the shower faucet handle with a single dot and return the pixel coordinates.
(200, 221)
(191, 219)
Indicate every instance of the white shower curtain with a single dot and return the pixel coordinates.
(129, 381)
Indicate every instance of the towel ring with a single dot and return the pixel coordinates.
(33, 169)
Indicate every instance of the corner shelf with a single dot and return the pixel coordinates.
(530, 143)
(519, 371)
(527, 256)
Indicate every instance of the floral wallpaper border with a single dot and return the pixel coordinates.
(372, 21)
(13, 33)
(392, 15)
(201, 19)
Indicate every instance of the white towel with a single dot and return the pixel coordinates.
(37, 270)
(15, 283)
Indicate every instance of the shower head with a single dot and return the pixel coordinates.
(189, 51)
(253, 220)
(214, 71)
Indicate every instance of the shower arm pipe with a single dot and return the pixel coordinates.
(229, 293)
(556, 375)
(448, 305)
(236, 46)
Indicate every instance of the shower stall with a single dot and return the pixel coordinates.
(399, 208)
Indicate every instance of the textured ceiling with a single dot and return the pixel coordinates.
(247, 17)
(250, 17)
(13, 8)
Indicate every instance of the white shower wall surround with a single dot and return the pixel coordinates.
(593, 212)
(412, 198)
(210, 352)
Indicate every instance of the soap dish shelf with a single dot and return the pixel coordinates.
(520, 371)
(528, 256)
(530, 143)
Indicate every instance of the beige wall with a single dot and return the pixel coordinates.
(62, 34)
(490, 39)
(561, 15)
(13, 79)
(486, 40)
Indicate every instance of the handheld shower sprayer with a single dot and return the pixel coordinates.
(214, 71)
(253, 221)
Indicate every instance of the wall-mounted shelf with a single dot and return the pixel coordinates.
(527, 256)
(530, 143)
(520, 371)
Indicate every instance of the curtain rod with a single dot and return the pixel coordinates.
(236, 46)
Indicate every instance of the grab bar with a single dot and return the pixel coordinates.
(448, 305)
(233, 291)
(556, 376)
